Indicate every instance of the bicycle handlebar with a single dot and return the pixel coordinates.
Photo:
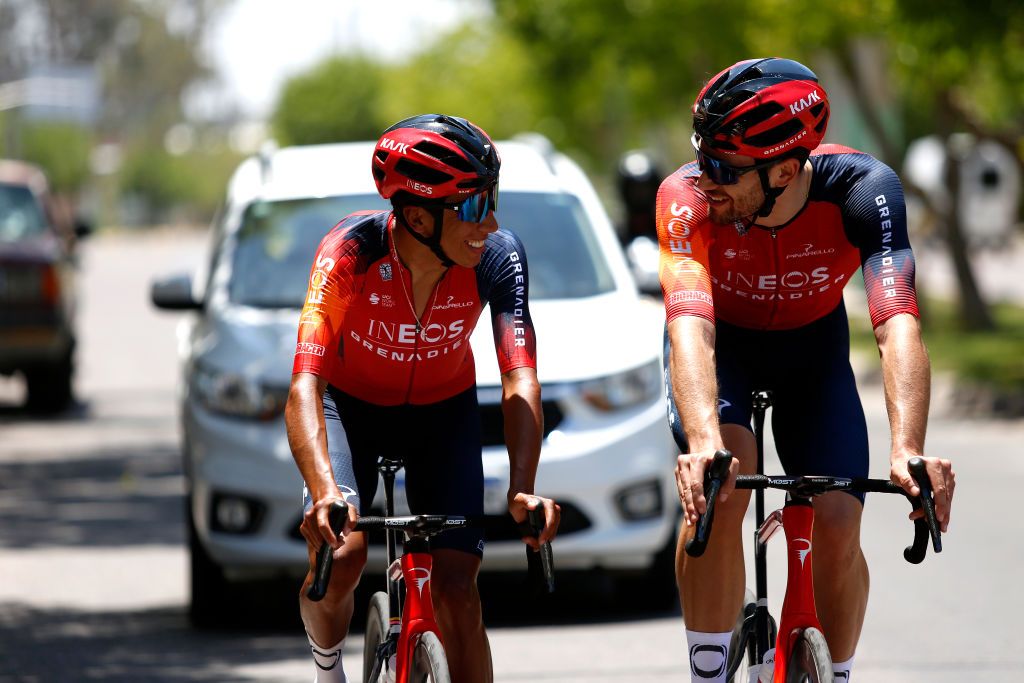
(809, 486)
(417, 525)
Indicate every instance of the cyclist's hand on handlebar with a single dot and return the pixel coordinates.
(943, 479)
(690, 469)
(316, 525)
(520, 503)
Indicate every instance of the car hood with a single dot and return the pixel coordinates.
(577, 339)
(43, 248)
(581, 339)
(254, 343)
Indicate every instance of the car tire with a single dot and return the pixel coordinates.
(209, 598)
(49, 386)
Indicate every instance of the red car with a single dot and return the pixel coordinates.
(37, 238)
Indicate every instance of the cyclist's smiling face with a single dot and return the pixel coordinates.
(463, 241)
(728, 203)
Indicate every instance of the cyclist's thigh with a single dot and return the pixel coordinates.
(736, 378)
(444, 468)
(353, 429)
(817, 417)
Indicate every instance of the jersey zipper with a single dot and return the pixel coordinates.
(419, 325)
(778, 277)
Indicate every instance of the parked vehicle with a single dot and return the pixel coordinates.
(37, 291)
(608, 457)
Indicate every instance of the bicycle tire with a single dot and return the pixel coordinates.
(742, 658)
(429, 664)
(739, 662)
(810, 661)
(376, 633)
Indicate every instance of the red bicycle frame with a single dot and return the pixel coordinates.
(418, 610)
(798, 608)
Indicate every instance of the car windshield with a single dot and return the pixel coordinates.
(278, 240)
(20, 215)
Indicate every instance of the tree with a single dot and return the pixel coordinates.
(338, 100)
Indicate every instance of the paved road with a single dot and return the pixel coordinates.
(92, 563)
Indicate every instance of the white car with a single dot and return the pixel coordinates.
(608, 456)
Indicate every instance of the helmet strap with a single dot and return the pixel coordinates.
(770, 193)
(434, 241)
(743, 225)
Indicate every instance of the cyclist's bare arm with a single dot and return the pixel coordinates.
(906, 374)
(307, 438)
(692, 364)
(524, 423)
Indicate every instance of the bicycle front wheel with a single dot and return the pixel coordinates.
(376, 634)
(429, 664)
(810, 661)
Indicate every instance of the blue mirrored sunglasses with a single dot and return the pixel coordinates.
(474, 208)
(720, 172)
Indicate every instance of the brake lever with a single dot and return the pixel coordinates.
(535, 518)
(325, 555)
(920, 474)
(713, 478)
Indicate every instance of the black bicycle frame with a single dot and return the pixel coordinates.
(762, 631)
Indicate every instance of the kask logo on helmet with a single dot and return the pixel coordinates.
(804, 102)
(394, 145)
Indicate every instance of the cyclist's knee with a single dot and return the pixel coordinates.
(837, 521)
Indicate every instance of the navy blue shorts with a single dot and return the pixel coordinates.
(817, 417)
(439, 444)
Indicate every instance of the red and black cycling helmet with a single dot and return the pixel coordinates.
(437, 161)
(762, 108)
(434, 156)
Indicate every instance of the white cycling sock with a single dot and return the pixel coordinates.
(328, 662)
(709, 655)
(842, 670)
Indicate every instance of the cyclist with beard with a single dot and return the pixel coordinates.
(758, 238)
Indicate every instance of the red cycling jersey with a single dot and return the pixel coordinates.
(788, 276)
(359, 332)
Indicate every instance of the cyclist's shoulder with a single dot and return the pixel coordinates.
(845, 166)
(360, 234)
(681, 181)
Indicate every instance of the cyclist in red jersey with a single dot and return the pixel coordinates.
(383, 366)
(758, 237)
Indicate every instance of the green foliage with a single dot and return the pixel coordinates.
(995, 358)
(196, 179)
(61, 149)
(338, 101)
(477, 72)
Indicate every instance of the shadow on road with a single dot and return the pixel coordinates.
(114, 497)
(149, 645)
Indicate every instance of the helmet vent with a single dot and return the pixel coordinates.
(378, 174)
(776, 135)
(382, 155)
(420, 173)
(816, 109)
(444, 155)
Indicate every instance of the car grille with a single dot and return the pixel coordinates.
(492, 421)
(496, 527)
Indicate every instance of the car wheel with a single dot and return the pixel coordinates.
(209, 589)
(49, 386)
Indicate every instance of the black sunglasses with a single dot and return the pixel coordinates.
(474, 208)
(720, 172)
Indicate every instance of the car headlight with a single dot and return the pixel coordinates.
(625, 389)
(234, 394)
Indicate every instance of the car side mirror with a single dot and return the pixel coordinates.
(174, 293)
